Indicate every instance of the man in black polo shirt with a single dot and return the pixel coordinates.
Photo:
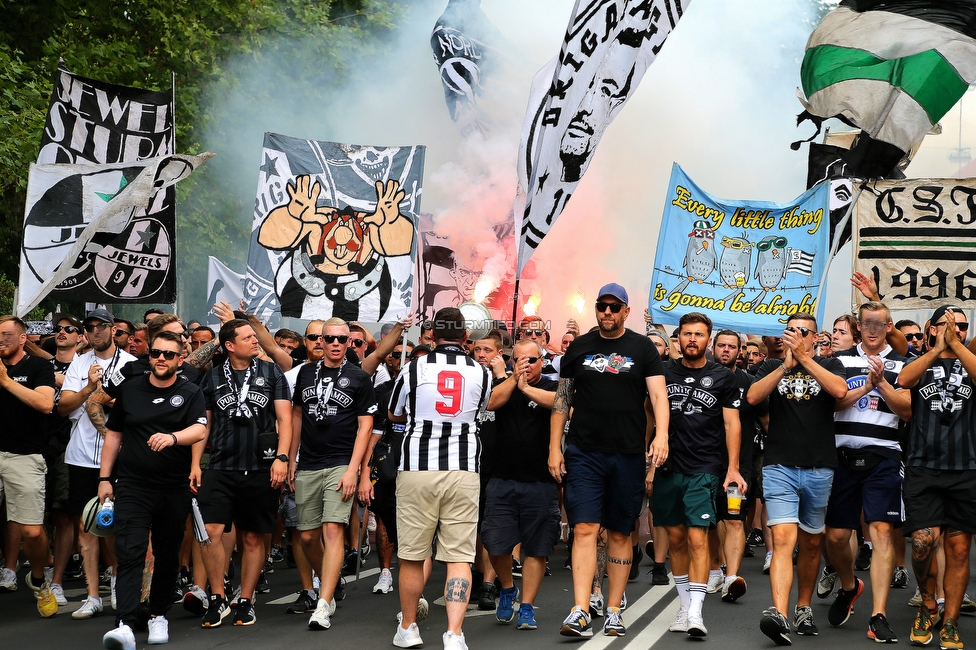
(332, 417)
(26, 397)
(158, 418)
(522, 498)
(940, 475)
(703, 445)
(249, 410)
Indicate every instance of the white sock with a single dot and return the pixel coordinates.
(697, 595)
(681, 584)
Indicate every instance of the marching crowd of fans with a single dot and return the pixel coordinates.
(162, 451)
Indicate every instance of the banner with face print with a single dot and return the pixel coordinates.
(334, 230)
(607, 48)
(748, 265)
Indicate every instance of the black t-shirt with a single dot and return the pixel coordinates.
(24, 429)
(696, 437)
(942, 433)
(522, 429)
(234, 437)
(348, 393)
(58, 426)
(801, 417)
(141, 410)
(609, 390)
(143, 367)
(748, 420)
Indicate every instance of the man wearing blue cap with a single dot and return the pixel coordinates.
(605, 377)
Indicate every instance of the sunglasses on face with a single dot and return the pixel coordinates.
(530, 359)
(67, 329)
(917, 336)
(332, 338)
(313, 337)
(357, 343)
(169, 355)
(960, 326)
(91, 327)
(123, 333)
(802, 330)
(614, 307)
(535, 332)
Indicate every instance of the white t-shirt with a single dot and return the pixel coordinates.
(85, 447)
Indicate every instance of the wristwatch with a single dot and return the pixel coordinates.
(282, 457)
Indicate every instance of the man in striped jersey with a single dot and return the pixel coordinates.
(940, 475)
(439, 397)
(868, 473)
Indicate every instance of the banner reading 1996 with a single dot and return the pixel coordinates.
(748, 265)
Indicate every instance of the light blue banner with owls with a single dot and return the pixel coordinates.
(748, 265)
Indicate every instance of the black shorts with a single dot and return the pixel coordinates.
(722, 501)
(384, 507)
(605, 489)
(756, 487)
(82, 486)
(244, 498)
(876, 491)
(939, 498)
(517, 512)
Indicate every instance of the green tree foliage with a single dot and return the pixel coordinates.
(142, 44)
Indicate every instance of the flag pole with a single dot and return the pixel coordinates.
(835, 245)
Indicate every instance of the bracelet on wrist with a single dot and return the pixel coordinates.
(175, 439)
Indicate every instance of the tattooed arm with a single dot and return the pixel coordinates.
(95, 407)
(561, 406)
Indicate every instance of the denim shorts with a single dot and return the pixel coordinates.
(797, 495)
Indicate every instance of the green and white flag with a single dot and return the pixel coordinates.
(892, 69)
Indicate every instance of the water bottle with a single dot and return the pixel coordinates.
(106, 514)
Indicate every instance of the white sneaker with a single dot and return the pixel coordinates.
(316, 584)
(916, 600)
(767, 562)
(696, 626)
(91, 606)
(408, 638)
(423, 608)
(680, 621)
(623, 602)
(454, 641)
(8, 580)
(321, 618)
(596, 604)
(158, 630)
(715, 580)
(58, 592)
(49, 574)
(121, 638)
(385, 583)
(115, 602)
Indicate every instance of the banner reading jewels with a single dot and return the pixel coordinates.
(748, 265)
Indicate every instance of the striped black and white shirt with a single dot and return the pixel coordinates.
(441, 394)
(869, 422)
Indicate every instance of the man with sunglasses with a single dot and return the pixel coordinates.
(144, 467)
(332, 419)
(798, 466)
(605, 377)
(914, 336)
(868, 476)
(521, 497)
(534, 328)
(940, 473)
(26, 396)
(88, 374)
(123, 330)
(704, 439)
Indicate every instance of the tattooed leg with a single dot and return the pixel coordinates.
(457, 591)
(924, 563)
(601, 562)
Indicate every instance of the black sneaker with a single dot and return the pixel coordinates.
(776, 627)
(880, 631)
(863, 561)
(843, 605)
(340, 591)
(264, 586)
(277, 553)
(244, 615)
(548, 570)
(268, 565)
(660, 574)
(635, 564)
(486, 602)
(516, 568)
(899, 579)
(803, 621)
(349, 564)
(217, 611)
(306, 602)
(755, 538)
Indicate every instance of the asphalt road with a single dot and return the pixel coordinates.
(366, 620)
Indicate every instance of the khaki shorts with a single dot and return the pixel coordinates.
(318, 500)
(22, 479)
(444, 504)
